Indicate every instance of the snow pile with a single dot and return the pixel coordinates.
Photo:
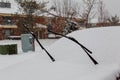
(71, 63)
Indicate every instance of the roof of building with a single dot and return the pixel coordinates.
(14, 8)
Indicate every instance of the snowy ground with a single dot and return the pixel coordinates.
(71, 63)
(6, 60)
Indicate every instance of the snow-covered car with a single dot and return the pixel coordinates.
(72, 62)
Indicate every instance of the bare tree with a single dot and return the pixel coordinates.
(102, 12)
(30, 9)
(88, 11)
(114, 20)
(65, 8)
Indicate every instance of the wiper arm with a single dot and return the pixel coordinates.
(83, 47)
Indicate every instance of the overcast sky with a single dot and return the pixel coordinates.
(113, 6)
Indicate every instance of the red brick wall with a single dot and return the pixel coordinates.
(58, 24)
(41, 20)
(1, 37)
(16, 31)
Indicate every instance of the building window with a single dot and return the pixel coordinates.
(5, 5)
(6, 20)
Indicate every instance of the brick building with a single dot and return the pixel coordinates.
(8, 25)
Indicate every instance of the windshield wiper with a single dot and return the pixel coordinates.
(29, 31)
(83, 47)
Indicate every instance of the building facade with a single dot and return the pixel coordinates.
(8, 26)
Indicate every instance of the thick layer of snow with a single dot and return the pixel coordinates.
(71, 63)
(103, 42)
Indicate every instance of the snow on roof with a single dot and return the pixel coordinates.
(11, 10)
(40, 25)
(14, 8)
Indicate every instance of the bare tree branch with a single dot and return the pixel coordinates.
(88, 10)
